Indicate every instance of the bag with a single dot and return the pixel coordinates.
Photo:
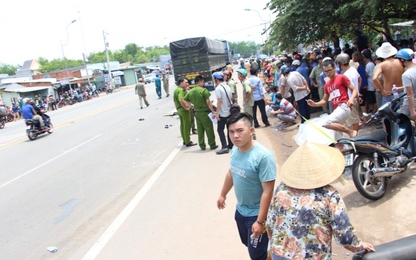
(234, 108)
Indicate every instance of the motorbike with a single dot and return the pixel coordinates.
(2, 121)
(33, 128)
(373, 159)
(10, 117)
(401, 249)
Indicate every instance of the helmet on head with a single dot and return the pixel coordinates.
(405, 53)
(140, 80)
(343, 58)
(298, 57)
(242, 72)
(218, 75)
(285, 69)
(228, 73)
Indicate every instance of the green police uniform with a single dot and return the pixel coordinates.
(184, 115)
(198, 97)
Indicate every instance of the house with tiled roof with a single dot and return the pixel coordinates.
(29, 68)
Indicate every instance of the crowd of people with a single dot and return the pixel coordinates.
(349, 84)
(306, 212)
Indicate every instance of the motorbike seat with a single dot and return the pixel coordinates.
(377, 136)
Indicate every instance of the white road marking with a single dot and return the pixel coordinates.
(43, 164)
(112, 229)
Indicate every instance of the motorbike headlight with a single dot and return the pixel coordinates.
(344, 147)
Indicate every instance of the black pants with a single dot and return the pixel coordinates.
(220, 130)
(262, 106)
(304, 108)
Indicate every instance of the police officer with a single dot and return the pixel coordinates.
(199, 97)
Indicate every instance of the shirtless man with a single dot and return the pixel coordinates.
(391, 69)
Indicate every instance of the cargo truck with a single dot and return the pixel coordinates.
(198, 56)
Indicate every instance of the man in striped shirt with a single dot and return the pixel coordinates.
(286, 112)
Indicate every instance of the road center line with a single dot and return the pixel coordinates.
(112, 229)
(43, 164)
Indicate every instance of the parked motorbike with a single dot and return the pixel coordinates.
(2, 121)
(33, 128)
(401, 249)
(374, 158)
(10, 117)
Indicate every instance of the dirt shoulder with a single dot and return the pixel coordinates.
(376, 222)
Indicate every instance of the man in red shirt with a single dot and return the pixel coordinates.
(336, 88)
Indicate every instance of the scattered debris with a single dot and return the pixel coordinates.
(166, 126)
(141, 119)
(52, 249)
(287, 145)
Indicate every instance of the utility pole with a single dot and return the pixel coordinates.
(108, 59)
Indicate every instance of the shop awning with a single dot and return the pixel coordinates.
(24, 89)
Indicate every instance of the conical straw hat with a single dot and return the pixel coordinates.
(312, 166)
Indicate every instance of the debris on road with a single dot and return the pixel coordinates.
(52, 249)
(141, 119)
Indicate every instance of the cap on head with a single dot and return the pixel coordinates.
(405, 53)
(343, 58)
(140, 80)
(227, 72)
(298, 57)
(242, 72)
(285, 69)
(218, 75)
(25, 100)
(296, 63)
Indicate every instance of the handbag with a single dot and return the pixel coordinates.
(234, 108)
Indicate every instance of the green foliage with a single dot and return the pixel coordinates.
(8, 69)
(309, 21)
(57, 64)
(244, 48)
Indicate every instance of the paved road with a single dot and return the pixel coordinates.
(105, 185)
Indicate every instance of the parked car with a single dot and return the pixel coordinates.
(149, 78)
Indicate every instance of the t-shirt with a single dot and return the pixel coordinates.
(316, 72)
(220, 92)
(249, 170)
(361, 71)
(287, 108)
(353, 76)
(27, 112)
(295, 81)
(369, 69)
(409, 80)
(337, 90)
(283, 83)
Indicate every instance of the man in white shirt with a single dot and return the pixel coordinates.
(300, 90)
(343, 60)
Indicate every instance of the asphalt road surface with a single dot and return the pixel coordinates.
(106, 185)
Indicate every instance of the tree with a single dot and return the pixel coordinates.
(8, 69)
(309, 21)
(244, 48)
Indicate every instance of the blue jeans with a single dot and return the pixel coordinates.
(257, 248)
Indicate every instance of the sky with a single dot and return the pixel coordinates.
(33, 29)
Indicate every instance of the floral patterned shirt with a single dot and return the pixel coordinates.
(301, 223)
